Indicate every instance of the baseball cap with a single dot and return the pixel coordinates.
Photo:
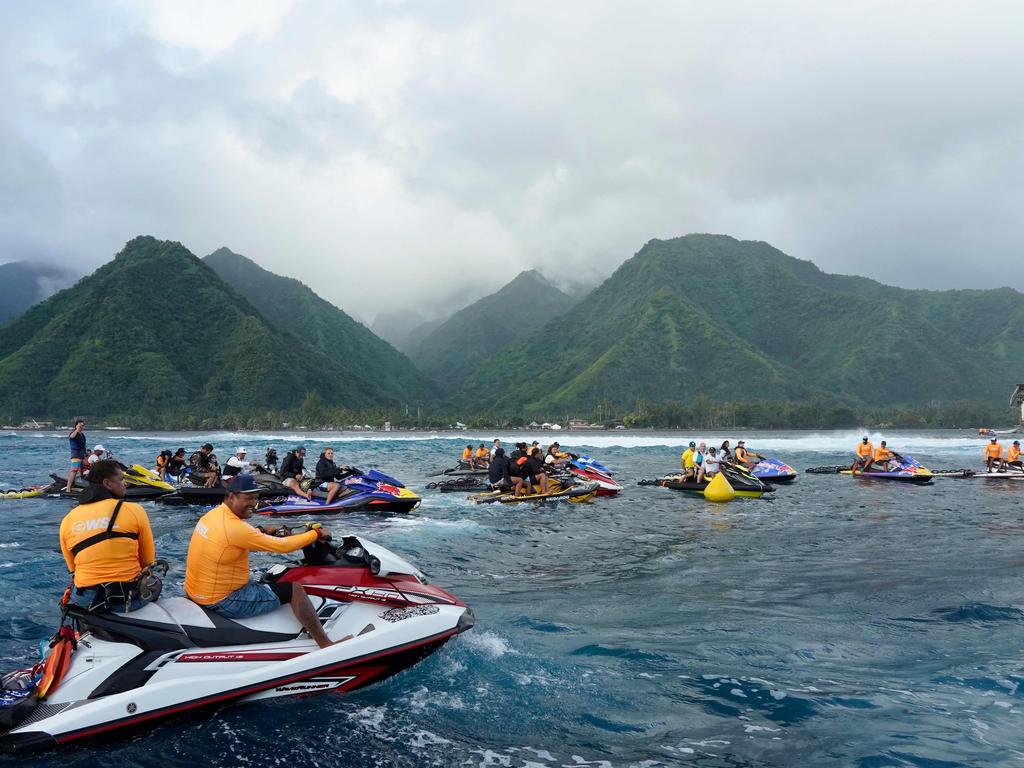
(242, 484)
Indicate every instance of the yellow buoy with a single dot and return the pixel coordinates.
(719, 489)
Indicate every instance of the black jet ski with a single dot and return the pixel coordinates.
(271, 487)
(744, 483)
(131, 493)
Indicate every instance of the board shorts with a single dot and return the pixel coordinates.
(76, 462)
(253, 599)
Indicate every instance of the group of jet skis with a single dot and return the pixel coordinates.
(343, 489)
(573, 477)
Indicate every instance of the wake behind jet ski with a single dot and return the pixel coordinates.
(370, 492)
(173, 655)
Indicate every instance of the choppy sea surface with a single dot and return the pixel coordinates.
(838, 623)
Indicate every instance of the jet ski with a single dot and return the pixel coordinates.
(592, 471)
(557, 491)
(131, 493)
(1010, 473)
(903, 468)
(772, 470)
(745, 484)
(271, 487)
(138, 475)
(370, 492)
(172, 656)
(27, 492)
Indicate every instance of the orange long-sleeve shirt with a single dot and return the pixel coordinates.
(117, 559)
(218, 554)
(882, 454)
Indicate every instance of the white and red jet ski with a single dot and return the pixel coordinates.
(173, 655)
(589, 469)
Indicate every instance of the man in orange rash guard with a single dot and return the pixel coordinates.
(106, 542)
(993, 454)
(864, 453)
(217, 567)
(1013, 456)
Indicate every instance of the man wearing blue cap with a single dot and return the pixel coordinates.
(217, 567)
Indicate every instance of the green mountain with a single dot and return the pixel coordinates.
(156, 331)
(458, 347)
(292, 307)
(708, 315)
(24, 283)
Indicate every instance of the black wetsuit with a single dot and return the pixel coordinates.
(498, 472)
(327, 471)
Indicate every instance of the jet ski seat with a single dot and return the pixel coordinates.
(177, 622)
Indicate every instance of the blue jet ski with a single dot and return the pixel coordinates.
(370, 492)
(773, 470)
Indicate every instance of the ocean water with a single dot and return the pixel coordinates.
(839, 623)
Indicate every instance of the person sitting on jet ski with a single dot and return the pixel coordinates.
(217, 565)
(556, 457)
(725, 452)
(533, 474)
(688, 460)
(746, 458)
(498, 474)
(864, 453)
(1013, 457)
(993, 454)
(292, 471)
(107, 542)
(327, 472)
(482, 457)
(710, 466)
(161, 463)
(882, 454)
(517, 460)
(467, 457)
(237, 464)
(201, 466)
(176, 464)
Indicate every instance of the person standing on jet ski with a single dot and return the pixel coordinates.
(270, 460)
(292, 468)
(328, 472)
(76, 439)
(498, 474)
(106, 542)
(217, 565)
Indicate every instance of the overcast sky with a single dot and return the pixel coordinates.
(408, 154)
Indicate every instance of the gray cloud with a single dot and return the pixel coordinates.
(397, 154)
